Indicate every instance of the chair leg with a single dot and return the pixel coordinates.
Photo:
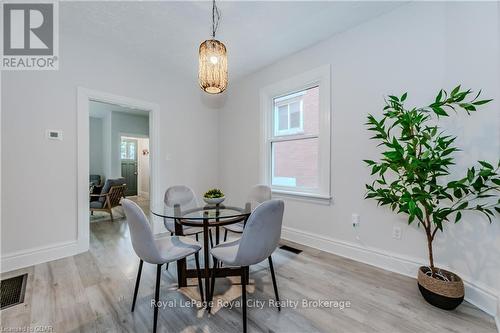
(137, 281)
(212, 285)
(171, 234)
(198, 273)
(225, 235)
(111, 214)
(197, 237)
(157, 296)
(274, 282)
(211, 241)
(244, 297)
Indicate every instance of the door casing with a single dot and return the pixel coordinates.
(84, 96)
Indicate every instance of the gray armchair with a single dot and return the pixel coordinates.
(95, 186)
(95, 180)
(112, 192)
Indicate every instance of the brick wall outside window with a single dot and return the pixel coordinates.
(299, 158)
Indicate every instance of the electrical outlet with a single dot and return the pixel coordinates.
(54, 135)
(355, 220)
(396, 233)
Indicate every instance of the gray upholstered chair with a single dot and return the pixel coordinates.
(260, 238)
(95, 180)
(185, 197)
(95, 186)
(157, 251)
(258, 194)
(111, 194)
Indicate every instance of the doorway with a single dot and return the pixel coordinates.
(112, 168)
(129, 164)
(115, 132)
(134, 154)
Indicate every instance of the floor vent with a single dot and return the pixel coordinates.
(290, 249)
(12, 291)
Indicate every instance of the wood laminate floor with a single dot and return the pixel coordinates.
(92, 291)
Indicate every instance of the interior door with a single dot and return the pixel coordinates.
(129, 164)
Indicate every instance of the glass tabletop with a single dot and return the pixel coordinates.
(210, 212)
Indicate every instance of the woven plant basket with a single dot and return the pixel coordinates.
(438, 292)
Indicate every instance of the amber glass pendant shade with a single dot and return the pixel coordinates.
(212, 70)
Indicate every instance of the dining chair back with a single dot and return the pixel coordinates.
(140, 233)
(261, 234)
(259, 194)
(148, 249)
(184, 197)
(260, 238)
(178, 195)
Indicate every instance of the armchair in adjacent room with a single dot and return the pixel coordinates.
(111, 194)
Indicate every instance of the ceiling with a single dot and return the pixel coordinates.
(255, 33)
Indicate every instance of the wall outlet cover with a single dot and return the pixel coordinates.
(355, 219)
(396, 233)
(54, 135)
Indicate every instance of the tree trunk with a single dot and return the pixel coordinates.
(429, 245)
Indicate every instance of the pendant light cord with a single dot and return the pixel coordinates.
(215, 18)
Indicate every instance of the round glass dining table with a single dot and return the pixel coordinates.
(213, 215)
(207, 217)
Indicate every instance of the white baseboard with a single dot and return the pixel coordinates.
(38, 255)
(482, 297)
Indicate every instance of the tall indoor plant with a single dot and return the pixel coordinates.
(412, 178)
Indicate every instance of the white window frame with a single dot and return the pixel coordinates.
(319, 77)
(291, 98)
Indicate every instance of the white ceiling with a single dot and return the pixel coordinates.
(256, 34)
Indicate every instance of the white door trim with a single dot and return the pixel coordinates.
(85, 95)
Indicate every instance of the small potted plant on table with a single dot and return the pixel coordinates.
(412, 179)
(214, 196)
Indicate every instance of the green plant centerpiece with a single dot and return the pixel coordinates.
(213, 196)
(412, 178)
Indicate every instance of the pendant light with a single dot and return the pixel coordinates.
(212, 70)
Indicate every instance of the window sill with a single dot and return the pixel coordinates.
(301, 196)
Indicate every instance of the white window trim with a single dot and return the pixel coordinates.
(317, 77)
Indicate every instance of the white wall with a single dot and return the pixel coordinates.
(96, 143)
(107, 129)
(31, 165)
(419, 48)
(143, 167)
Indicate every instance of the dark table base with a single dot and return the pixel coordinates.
(183, 273)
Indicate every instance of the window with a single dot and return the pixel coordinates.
(128, 149)
(288, 114)
(296, 142)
